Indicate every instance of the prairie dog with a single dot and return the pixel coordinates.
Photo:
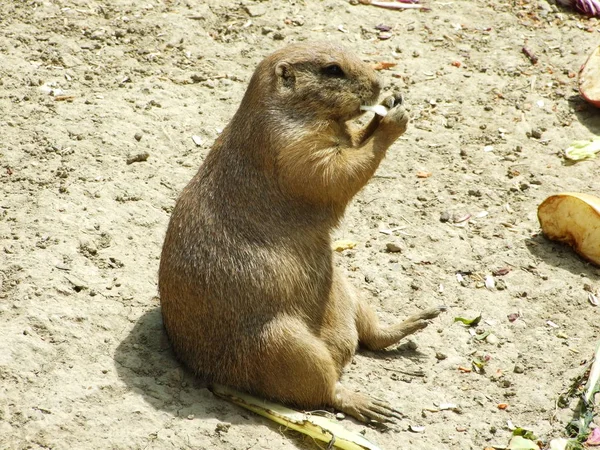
(249, 294)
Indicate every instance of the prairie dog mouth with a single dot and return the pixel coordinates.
(380, 110)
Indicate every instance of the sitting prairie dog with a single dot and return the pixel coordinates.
(249, 294)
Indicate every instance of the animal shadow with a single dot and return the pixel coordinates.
(561, 256)
(147, 365)
(586, 113)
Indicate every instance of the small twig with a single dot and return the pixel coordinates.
(530, 55)
(64, 98)
(390, 5)
(407, 221)
(416, 373)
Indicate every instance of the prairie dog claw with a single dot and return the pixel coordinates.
(393, 100)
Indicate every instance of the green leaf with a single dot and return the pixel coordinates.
(527, 434)
(469, 322)
(520, 443)
(482, 336)
(574, 445)
(479, 363)
(581, 150)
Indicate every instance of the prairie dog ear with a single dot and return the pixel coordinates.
(285, 74)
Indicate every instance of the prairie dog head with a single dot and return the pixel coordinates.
(317, 81)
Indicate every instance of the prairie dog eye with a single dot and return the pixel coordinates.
(333, 70)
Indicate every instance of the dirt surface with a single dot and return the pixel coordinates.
(99, 103)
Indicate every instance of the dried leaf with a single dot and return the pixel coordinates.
(341, 245)
(501, 272)
(382, 65)
(314, 426)
(383, 27)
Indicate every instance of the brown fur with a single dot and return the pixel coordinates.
(249, 293)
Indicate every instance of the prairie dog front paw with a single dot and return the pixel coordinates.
(397, 119)
(396, 116)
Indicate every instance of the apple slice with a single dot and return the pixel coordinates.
(589, 79)
(574, 219)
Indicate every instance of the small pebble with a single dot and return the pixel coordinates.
(409, 346)
(197, 140)
(518, 369)
(440, 356)
(492, 339)
(445, 217)
(138, 136)
(536, 133)
(138, 157)
(221, 427)
(62, 266)
(298, 21)
(256, 10)
(392, 247)
(340, 416)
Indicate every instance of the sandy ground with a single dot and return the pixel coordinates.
(84, 86)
